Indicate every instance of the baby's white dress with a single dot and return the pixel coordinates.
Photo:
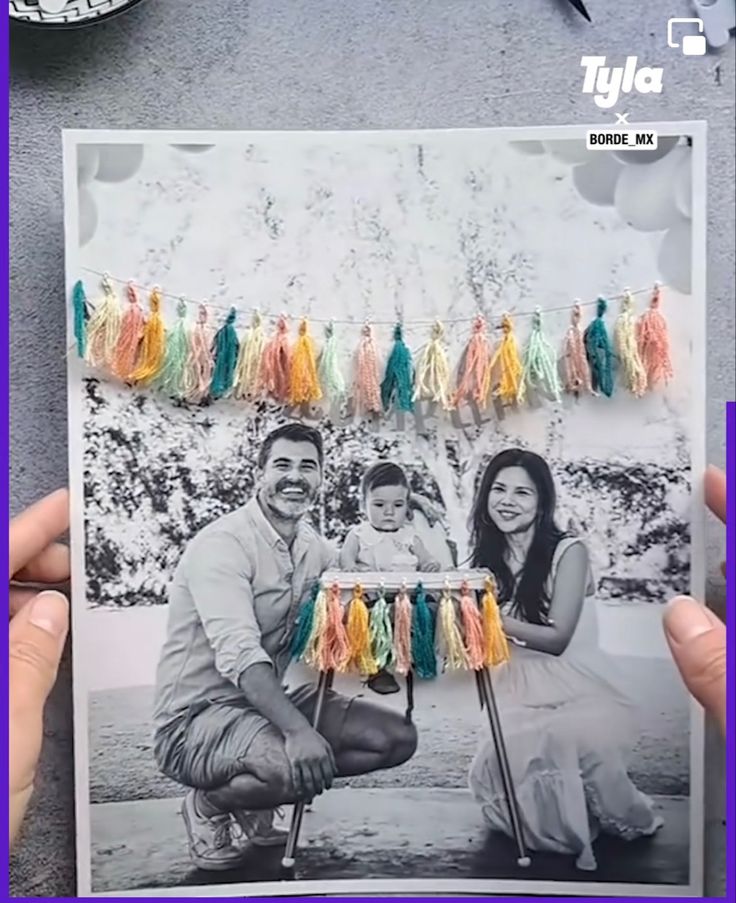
(569, 729)
(381, 550)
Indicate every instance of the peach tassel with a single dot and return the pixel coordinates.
(402, 632)
(507, 361)
(201, 361)
(153, 346)
(333, 651)
(474, 382)
(129, 339)
(276, 363)
(577, 371)
(472, 628)
(654, 343)
(367, 381)
(304, 382)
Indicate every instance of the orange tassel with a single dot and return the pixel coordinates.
(367, 381)
(508, 363)
(276, 363)
(358, 629)
(333, 652)
(653, 340)
(129, 339)
(402, 633)
(304, 382)
(472, 628)
(473, 384)
(153, 346)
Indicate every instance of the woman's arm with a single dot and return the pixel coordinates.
(568, 593)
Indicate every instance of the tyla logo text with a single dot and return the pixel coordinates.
(608, 83)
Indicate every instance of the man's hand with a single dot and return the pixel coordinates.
(312, 762)
(38, 629)
(696, 636)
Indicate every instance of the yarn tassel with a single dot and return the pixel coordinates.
(451, 639)
(248, 367)
(433, 371)
(173, 372)
(226, 346)
(129, 340)
(422, 637)
(304, 622)
(200, 362)
(381, 633)
(333, 651)
(472, 628)
(329, 372)
(359, 637)
(599, 352)
(396, 387)
(505, 368)
(654, 343)
(367, 387)
(402, 632)
(315, 636)
(80, 308)
(103, 328)
(153, 344)
(540, 363)
(473, 382)
(634, 374)
(577, 371)
(276, 363)
(496, 647)
(304, 381)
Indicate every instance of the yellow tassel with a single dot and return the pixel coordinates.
(248, 368)
(627, 348)
(433, 371)
(304, 381)
(359, 636)
(506, 359)
(153, 344)
(451, 639)
(494, 638)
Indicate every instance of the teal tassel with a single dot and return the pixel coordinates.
(422, 637)
(81, 315)
(303, 626)
(226, 357)
(382, 640)
(397, 385)
(599, 352)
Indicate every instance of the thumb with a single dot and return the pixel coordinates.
(697, 639)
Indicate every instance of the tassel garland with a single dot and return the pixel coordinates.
(654, 343)
(599, 352)
(304, 382)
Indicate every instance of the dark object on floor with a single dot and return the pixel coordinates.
(383, 682)
(580, 7)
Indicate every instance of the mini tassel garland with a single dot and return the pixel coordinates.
(247, 370)
(381, 633)
(654, 343)
(496, 645)
(304, 621)
(422, 637)
(81, 315)
(367, 388)
(433, 371)
(311, 653)
(634, 375)
(226, 357)
(359, 637)
(451, 638)
(599, 352)
(200, 361)
(396, 387)
(540, 364)
(506, 361)
(472, 628)
(333, 651)
(276, 363)
(577, 371)
(329, 373)
(473, 382)
(129, 340)
(153, 344)
(103, 328)
(304, 382)
(173, 372)
(402, 632)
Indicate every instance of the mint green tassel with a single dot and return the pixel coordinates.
(397, 386)
(382, 639)
(329, 372)
(540, 363)
(303, 627)
(171, 378)
(600, 352)
(81, 315)
(226, 357)
(422, 637)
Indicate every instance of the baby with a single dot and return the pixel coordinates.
(387, 540)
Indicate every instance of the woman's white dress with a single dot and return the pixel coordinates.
(569, 729)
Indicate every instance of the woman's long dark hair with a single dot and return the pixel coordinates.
(530, 598)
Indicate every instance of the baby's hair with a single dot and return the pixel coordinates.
(385, 473)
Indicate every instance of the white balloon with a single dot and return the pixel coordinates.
(533, 148)
(596, 180)
(118, 162)
(645, 195)
(684, 186)
(569, 150)
(88, 160)
(675, 256)
(664, 146)
(87, 215)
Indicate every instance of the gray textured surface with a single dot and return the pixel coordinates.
(314, 64)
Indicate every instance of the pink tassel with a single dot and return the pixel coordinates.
(367, 379)
(474, 383)
(653, 340)
(402, 633)
(275, 375)
(577, 371)
(201, 361)
(129, 339)
(333, 652)
(472, 628)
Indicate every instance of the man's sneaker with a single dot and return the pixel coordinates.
(210, 842)
(258, 827)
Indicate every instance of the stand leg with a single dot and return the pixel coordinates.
(288, 860)
(488, 702)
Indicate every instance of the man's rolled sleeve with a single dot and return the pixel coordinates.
(219, 579)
